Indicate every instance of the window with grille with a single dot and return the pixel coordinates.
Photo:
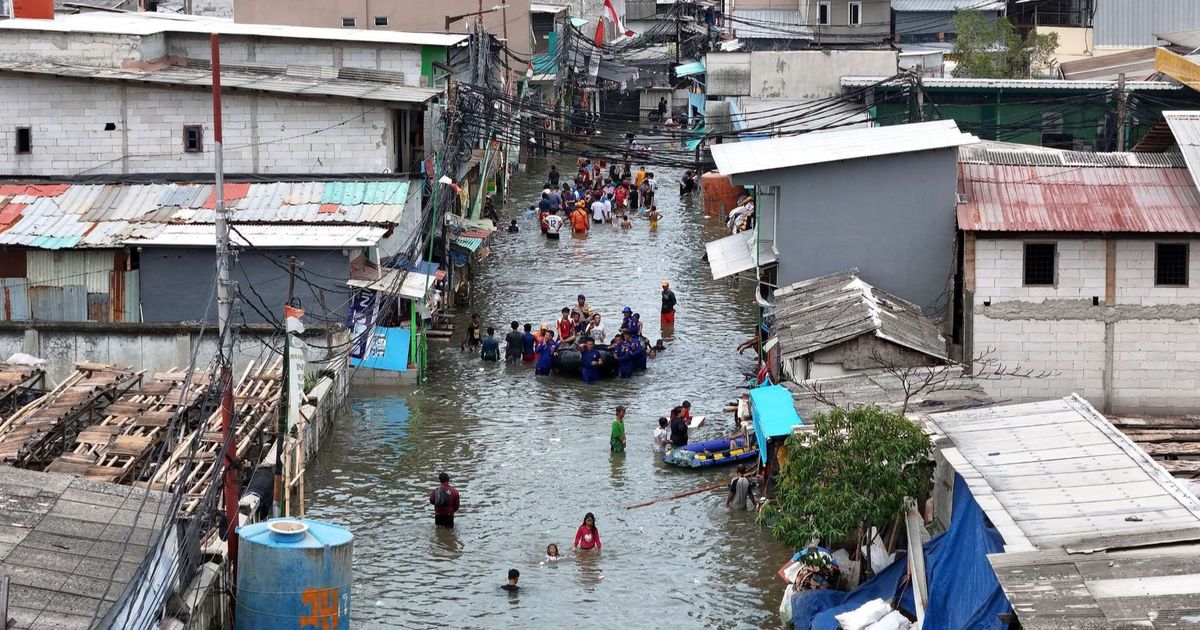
(1171, 264)
(193, 139)
(1040, 264)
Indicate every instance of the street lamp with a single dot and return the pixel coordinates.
(454, 18)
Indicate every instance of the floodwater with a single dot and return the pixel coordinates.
(530, 454)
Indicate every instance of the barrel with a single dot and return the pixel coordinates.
(293, 574)
(720, 195)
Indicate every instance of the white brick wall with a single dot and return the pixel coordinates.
(293, 134)
(1155, 360)
(299, 52)
(213, 8)
(92, 49)
(1135, 275)
(1000, 266)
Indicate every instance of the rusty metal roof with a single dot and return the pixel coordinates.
(1020, 198)
(60, 216)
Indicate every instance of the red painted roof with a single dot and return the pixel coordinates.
(1077, 199)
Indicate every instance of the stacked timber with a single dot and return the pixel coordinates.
(1173, 442)
(196, 460)
(16, 380)
(115, 449)
(45, 428)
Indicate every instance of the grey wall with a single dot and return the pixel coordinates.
(892, 217)
(177, 281)
(909, 23)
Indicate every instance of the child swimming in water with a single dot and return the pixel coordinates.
(552, 553)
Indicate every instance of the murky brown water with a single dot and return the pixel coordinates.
(530, 455)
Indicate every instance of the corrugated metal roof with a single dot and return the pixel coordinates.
(536, 7)
(151, 23)
(1135, 64)
(735, 254)
(1185, 127)
(948, 6)
(830, 310)
(832, 146)
(769, 24)
(1134, 22)
(106, 215)
(388, 92)
(1077, 199)
(1051, 472)
(1017, 84)
(1012, 154)
(297, 236)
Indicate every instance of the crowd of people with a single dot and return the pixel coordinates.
(598, 196)
(578, 328)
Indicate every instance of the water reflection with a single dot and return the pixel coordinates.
(531, 455)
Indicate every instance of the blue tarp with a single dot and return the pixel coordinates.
(387, 349)
(689, 68)
(774, 414)
(963, 591)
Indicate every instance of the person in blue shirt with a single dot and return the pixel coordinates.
(628, 317)
(589, 359)
(527, 341)
(635, 325)
(639, 354)
(546, 351)
(624, 354)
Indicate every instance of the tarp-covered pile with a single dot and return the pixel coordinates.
(963, 591)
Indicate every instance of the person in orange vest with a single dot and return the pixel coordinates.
(579, 221)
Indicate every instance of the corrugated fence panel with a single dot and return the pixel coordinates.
(90, 268)
(133, 296)
(75, 303)
(46, 303)
(98, 307)
(16, 299)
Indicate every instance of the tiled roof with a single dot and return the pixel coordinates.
(57, 216)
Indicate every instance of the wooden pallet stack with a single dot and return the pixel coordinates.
(42, 430)
(134, 425)
(1174, 442)
(16, 380)
(257, 396)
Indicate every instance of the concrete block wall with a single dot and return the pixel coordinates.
(213, 8)
(89, 49)
(263, 133)
(1139, 355)
(301, 52)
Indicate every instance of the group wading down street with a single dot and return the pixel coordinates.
(586, 344)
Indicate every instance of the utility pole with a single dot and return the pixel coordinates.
(282, 486)
(920, 98)
(224, 311)
(1121, 108)
(678, 29)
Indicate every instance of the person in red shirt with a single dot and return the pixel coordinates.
(587, 537)
(566, 328)
(444, 500)
(686, 411)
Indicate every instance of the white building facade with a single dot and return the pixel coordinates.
(1084, 280)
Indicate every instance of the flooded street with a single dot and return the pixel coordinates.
(531, 456)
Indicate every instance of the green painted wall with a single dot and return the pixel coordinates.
(1026, 116)
(430, 54)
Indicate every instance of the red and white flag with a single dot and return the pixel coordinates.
(616, 19)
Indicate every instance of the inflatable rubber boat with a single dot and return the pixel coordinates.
(711, 453)
(568, 362)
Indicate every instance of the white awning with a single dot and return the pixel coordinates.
(735, 254)
(410, 285)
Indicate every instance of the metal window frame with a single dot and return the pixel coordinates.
(377, 18)
(1025, 264)
(828, 6)
(349, 22)
(850, 13)
(199, 139)
(1187, 259)
(29, 140)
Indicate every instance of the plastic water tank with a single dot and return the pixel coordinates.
(294, 574)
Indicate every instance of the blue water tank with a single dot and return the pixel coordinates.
(294, 574)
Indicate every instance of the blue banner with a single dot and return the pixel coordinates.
(362, 316)
(387, 349)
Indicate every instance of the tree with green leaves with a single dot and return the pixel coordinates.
(851, 472)
(994, 50)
